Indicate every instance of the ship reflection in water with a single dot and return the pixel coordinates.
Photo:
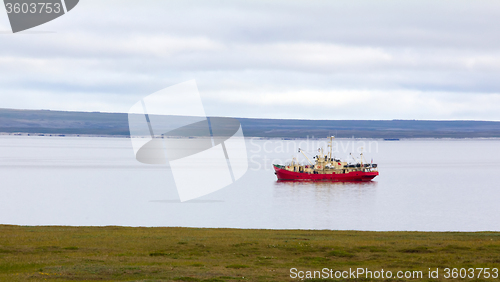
(292, 190)
(328, 184)
(323, 204)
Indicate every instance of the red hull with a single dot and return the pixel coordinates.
(284, 174)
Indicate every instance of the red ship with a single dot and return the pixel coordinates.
(327, 168)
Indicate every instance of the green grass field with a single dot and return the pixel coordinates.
(189, 254)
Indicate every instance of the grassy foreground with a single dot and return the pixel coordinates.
(189, 254)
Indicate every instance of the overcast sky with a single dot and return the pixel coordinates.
(275, 59)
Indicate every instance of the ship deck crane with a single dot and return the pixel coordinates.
(301, 151)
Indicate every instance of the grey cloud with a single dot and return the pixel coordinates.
(119, 48)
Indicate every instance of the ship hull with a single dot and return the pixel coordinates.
(284, 174)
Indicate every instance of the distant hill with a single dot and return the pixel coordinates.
(116, 124)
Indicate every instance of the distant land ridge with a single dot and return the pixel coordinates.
(116, 124)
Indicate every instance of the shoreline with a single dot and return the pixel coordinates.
(116, 124)
(22, 134)
(248, 229)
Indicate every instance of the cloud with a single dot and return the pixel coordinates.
(284, 59)
(359, 104)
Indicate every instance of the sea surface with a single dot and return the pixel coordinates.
(424, 185)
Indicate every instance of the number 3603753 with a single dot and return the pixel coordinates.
(471, 273)
(32, 8)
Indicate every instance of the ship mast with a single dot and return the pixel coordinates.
(330, 145)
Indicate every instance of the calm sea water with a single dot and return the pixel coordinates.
(428, 185)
